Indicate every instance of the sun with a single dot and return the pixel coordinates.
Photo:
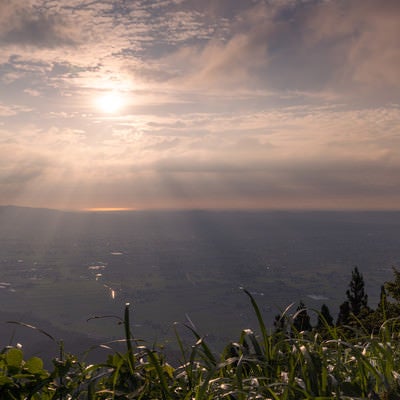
(110, 102)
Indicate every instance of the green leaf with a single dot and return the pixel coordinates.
(14, 358)
(169, 370)
(23, 376)
(34, 365)
(5, 380)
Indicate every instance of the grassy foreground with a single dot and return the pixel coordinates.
(280, 365)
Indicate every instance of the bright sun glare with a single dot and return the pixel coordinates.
(110, 102)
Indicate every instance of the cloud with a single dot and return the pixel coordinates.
(24, 24)
(234, 56)
(32, 92)
(8, 110)
(20, 168)
(285, 46)
(363, 36)
(348, 47)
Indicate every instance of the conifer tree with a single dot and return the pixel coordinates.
(390, 297)
(344, 314)
(356, 295)
(373, 320)
(301, 321)
(383, 304)
(324, 318)
(393, 287)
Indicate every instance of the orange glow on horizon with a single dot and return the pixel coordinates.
(107, 209)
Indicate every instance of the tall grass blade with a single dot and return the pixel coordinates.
(128, 337)
(34, 328)
(208, 353)
(260, 323)
(154, 360)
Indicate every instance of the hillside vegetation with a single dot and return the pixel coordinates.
(356, 358)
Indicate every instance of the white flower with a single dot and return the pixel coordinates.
(254, 382)
(284, 377)
(364, 352)
(300, 382)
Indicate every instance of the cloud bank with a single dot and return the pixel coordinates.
(250, 104)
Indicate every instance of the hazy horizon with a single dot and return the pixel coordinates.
(215, 209)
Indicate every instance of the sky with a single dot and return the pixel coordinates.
(211, 104)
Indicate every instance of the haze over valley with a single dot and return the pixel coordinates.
(64, 268)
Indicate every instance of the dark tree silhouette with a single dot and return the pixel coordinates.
(383, 303)
(389, 304)
(301, 320)
(393, 287)
(324, 318)
(344, 314)
(356, 295)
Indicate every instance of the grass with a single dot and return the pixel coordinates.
(264, 365)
